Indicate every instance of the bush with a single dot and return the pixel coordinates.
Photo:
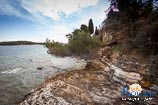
(80, 43)
(83, 43)
(48, 43)
(57, 48)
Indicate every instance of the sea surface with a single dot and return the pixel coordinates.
(25, 67)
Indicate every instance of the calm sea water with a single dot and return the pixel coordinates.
(19, 73)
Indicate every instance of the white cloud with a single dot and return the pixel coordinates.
(53, 8)
(8, 9)
(59, 32)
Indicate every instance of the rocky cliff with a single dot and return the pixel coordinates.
(100, 83)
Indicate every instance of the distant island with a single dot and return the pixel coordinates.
(19, 43)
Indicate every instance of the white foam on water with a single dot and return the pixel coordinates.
(14, 71)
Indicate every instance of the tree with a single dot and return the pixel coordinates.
(69, 36)
(148, 7)
(96, 31)
(84, 28)
(91, 27)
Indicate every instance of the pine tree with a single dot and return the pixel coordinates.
(91, 27)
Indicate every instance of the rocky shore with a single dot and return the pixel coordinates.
(100, 83)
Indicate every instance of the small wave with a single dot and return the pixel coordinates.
(11, 71)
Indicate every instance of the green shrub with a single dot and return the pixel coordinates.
(57, 48)
(80, 43)
(61, 50)
(48, 43)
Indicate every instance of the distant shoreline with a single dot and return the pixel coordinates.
(11, 43)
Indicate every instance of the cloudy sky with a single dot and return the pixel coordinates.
(36, 20)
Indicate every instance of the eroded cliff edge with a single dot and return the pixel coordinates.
(100, 83)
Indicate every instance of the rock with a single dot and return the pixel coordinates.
(95, 64)
(39, 68)
(145, 84)
(154, 88)
(120, 75)
(107, 38)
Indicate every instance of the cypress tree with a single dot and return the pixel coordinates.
(96, 31)
(91, 27)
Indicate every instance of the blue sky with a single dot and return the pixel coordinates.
(36, 20)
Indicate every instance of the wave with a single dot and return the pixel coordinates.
(11, 71)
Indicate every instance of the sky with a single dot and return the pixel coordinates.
(36, 20)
